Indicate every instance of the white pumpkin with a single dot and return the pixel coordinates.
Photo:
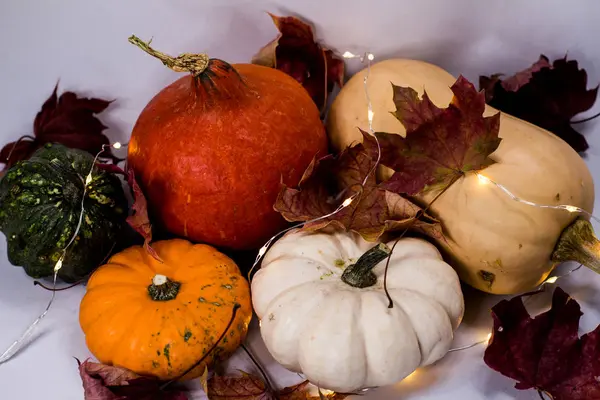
(343, 337)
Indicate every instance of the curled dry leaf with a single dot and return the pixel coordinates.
(251, 387)
(243, 387)
(547, 95)
(441, 144)
(69, 120)
(545, 352)
(139, 219)
(295, 52)
(329, 181)
(104, 382)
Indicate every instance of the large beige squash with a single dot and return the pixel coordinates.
(495, 243)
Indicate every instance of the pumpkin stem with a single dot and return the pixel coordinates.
(578, 243)
(163, 289)
(360, 275)
(196, 64)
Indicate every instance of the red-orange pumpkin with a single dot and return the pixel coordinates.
(211, 149)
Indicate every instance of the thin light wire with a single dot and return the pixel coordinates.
(18, 344)
(469, 345)
(368, 57)
(570, 208)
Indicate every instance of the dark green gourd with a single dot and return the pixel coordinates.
(40, 204)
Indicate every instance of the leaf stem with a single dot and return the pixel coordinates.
(236, 307)
(415, 219)
(580, 121)
(260, 369)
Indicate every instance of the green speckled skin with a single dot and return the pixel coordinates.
(40, 204)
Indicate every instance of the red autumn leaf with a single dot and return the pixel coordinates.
(441, 145)
(139, 220)
(547, 95)
(69, 120)
(295, 52)
(104, 382)
(251, 387)
(329, 181)
(545, 352)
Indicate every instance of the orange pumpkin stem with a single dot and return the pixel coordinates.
(196, 64)
(163, 289)
(578, 243)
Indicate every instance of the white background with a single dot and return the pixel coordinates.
(84, 44)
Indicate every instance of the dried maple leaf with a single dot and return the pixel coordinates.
(295, 52)
(69, 120)
(329, 181)
(251, 387)
(139, 219)
(547, 95)
(104, 382)
(545, 352)
(243, 387)
(440, 144)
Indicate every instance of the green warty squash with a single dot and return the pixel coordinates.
(40, 205)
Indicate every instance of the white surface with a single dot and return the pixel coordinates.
(84, 43)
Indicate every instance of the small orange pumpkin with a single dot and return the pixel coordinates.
(159, 319)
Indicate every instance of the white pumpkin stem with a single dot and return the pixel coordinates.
(360, 275)
(578, 243)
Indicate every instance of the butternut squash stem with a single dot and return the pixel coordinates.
(360, 275)
(578, 243)
(195, 64)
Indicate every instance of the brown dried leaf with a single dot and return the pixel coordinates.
(329, 181)
(295, 52)
(440, 144)
(546, 353)
(139, 219)
(243, 387)
(104, 382)
(547, 95)
(69, 120)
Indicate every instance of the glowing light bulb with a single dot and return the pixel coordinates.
(483, 179)
(347, 202)
(370, 115)
(572, 208)
(88, 179)
(489, 336)
(370, 56)
(411, 376)
(58, 265)
(117, 145)
(262, 251)
(552, 279)
(347, 54)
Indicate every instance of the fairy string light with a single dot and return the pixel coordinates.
(18, 344)
(368, 57)
(484, 180)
